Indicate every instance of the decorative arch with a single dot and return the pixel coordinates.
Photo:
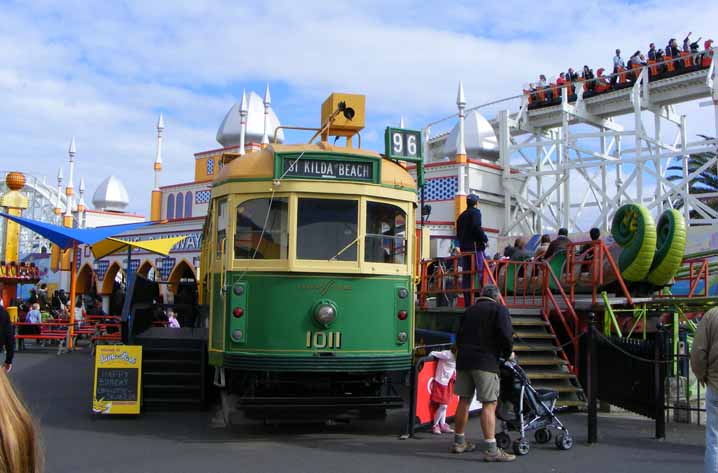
(170, 207)
(179, 205)
(109, 279)
(188, 204)
(86, 280)
(145, 269)
(182, 270)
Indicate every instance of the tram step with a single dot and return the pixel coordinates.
(541, 361)
(525, 335)
(559, 389)
(535, 375)
(525, 311)
(528, 322)
(535, 347)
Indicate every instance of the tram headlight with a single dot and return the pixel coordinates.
(237, 335)
(402, 337)
(403, 293)
(325, 314)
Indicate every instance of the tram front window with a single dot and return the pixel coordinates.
(254, 240)
(327, 229)
(385, 240)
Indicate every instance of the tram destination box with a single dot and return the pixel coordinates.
(310, 167)
(117, 384)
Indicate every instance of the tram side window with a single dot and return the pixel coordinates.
(250, 242)
(327, 229)
(385, 240)
(222, 219)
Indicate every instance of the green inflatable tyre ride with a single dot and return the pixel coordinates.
(634, 230)
(670, 247)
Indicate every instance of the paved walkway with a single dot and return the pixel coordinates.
(58, 391)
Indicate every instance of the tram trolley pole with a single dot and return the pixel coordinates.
(591, 387)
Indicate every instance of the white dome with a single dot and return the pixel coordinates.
(479, 136)
(111, 194)
(229, 131)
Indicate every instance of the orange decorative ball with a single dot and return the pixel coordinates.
(15, 180)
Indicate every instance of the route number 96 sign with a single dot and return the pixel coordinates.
(404, 145)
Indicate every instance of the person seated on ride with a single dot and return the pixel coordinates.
(571, 75)
(509, 250)
(602, 83)
(673, 52)
(543, 244)
(652, 52)
(520, 252)
(561, 79)
(543, 84)
(706, 58)
(587, 250)
(588, 76)
(559, 244)
(687, 42)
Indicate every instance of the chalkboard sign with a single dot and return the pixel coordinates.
(117, 384)
(117, 379)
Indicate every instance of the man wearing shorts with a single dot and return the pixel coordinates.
(484, 336)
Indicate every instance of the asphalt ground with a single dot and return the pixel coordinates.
(58, 392)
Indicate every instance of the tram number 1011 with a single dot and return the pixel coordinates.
(324, 340)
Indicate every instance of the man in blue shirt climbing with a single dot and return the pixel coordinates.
(471, 238)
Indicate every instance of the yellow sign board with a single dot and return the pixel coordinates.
(118, 379)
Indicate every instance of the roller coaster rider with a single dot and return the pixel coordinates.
(472, 238)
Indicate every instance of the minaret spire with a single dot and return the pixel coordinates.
(81, 205)
(243, 122)
(71, 152)
(58, 201)
(156, 201)
(158, 156)
(267, 104)
(461, 104)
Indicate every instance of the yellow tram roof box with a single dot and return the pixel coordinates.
(351, 113)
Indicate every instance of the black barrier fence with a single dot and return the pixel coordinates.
(649, 377)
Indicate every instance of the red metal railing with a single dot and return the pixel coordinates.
(531, 288)
(592, 270)
(698, 271)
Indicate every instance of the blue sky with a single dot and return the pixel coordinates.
(102, 71)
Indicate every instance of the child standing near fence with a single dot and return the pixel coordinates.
(442, 389)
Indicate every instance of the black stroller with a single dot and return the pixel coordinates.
(532, 410)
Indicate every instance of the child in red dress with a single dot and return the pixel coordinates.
(442, 389)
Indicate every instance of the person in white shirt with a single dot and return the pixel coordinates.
(442, 388)
(617, 62)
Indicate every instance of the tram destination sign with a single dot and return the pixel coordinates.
(325, 169)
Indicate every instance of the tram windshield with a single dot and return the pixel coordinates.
(262, 229)
(385, 240)
(327, 229)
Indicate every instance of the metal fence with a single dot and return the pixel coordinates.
(649, 377)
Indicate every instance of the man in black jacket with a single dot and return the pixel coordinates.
(484, 336)
(471, 238)
(7, 336)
